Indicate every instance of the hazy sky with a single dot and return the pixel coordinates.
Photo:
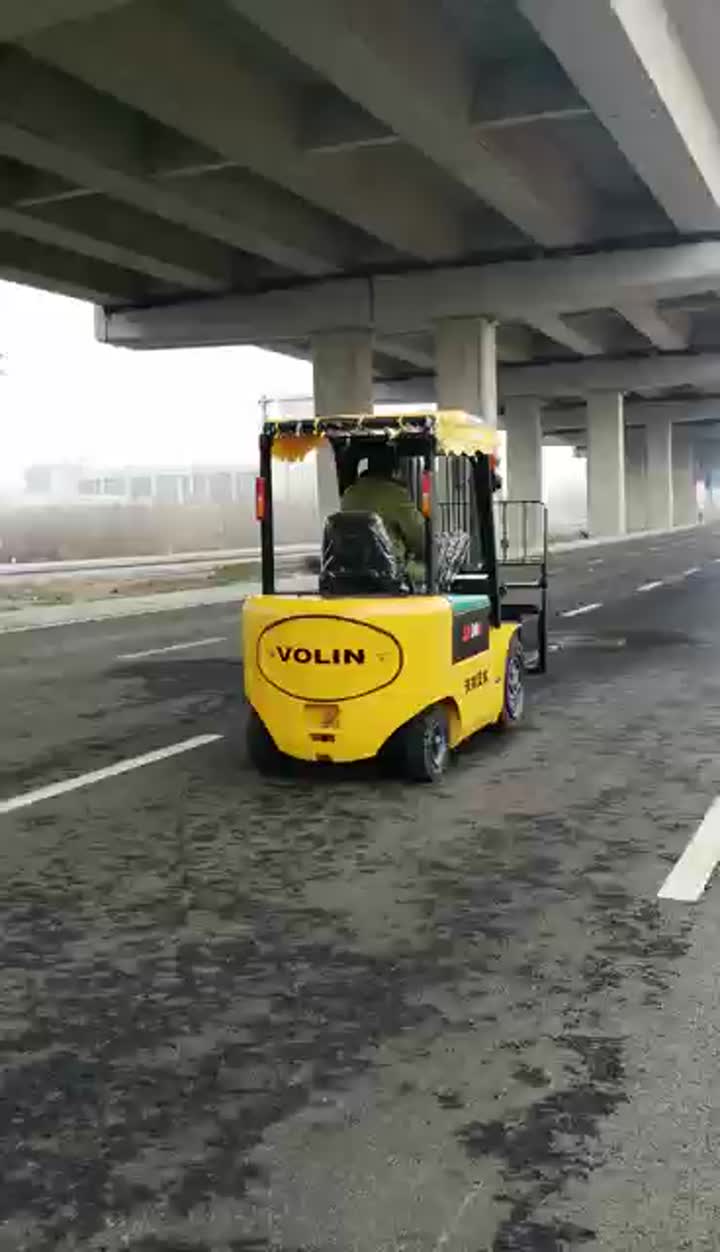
(66, 398)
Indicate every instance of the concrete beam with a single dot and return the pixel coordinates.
(650, 322)
(554, 327)
(240, 319)
(611, 374)
(53, 269)
(639, 413)
(252, 118)
(385, 58)
(406, 351)
(521, 290)
(514, 343)
(19, 18)
(578, 378)
(514, 96)
(514, 291)
(123, 237)
(652, 102)
(62, 127)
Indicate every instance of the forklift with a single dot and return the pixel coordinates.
(384, 657)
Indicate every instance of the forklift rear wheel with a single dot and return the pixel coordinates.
(261, 747)
(426, 746)
(514, 690)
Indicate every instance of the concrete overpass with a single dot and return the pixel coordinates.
(407, 191)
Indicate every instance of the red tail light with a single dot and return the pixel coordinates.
(426, 494)
(260, 499)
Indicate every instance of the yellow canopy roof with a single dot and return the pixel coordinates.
(457, 433)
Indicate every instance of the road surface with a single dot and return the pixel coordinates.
(335, 1012)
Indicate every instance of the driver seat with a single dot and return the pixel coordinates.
(359, 557)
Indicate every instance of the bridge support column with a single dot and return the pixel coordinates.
(524, 473)
(606, 464)
(342, 383)
(635, 478)
(659, 473)
(466, 366)
(683, 477)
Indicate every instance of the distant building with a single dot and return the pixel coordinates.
(162, 484)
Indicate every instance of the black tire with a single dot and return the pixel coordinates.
(261, 747)
(425, 746)
(514, 685)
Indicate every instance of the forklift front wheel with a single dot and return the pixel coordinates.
(514, 690)
(426, 746)
(261, 747)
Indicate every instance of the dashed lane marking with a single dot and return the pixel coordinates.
(172, 647)
(694, 569)
(583, 608)
(689, 878)
(99, 775)
(649, 586)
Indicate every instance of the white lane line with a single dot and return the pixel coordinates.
(584, 608)
(99, 775)
(600, 561)
(694, 569)
(171, 647)
(649, 586)
(690, 876)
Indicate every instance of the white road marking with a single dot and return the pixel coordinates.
(584, 608)
(694, 569)
(172, 647)
(690, 876)
(599, 561)
(649, 586)
(99, 775)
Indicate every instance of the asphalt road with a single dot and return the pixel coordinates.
(336, 1012)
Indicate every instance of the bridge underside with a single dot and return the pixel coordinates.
(445, 183)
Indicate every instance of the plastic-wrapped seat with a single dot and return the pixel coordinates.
(359, 557)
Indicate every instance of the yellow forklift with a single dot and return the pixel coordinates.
(384, 657)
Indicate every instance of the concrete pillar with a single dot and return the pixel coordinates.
(659, 473)
(466, 366)
(342, 383)
(683, 477)
(606, 464)
(523, 426)
(635, 478)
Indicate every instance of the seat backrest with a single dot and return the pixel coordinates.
(359, 557)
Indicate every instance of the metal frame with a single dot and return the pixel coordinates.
(527, 559)
(267, 525)
(482, 484)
